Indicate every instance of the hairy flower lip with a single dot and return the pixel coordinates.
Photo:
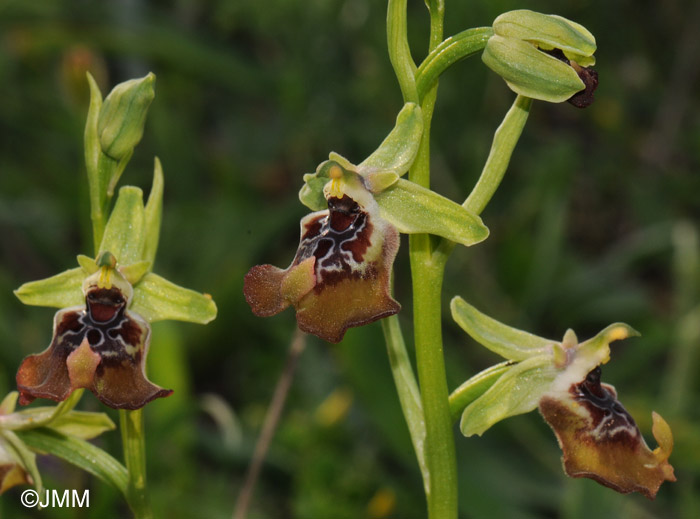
(100, 346)
(339, 277)
(600, 440)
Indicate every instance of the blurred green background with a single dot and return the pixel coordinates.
(597, 221)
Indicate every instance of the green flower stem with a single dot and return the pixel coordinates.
(133, 441)
(407, 389)
(447, 53)
(504, 141)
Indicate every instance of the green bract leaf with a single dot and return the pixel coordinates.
(92, 144)
(154, 210)
(59, 291)
(156, 298)
(79, 453)
(415, 209)
(397, 151)
(124, 234)
(517, 391)
(508, 342)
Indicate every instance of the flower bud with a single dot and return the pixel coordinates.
(542, 56)
(123, 115)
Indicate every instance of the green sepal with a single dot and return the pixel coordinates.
(153, 214)
(506, 341)
(548, 32)
(396, 153)
(530, 72)
(82, 424)
(124, 233)
(515, 392)
(415, 209)
(156, 299)
(476, 386)
(8, 404)
(59, 291)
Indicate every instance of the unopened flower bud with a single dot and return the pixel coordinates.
(123, 115)
(542, 56)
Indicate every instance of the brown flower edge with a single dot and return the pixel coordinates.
(340, 275)
(101, 347)
(601, 441)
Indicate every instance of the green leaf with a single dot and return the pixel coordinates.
(26, 458)
(124, 234)
(80, 453)
(508, 342)
(59, 291)
(156, 299)
(475, 387)
(154, 210)
(517, 391)
(415, 209)
(398, 150)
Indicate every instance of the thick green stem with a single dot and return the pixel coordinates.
(439, 440)
(133, 440)
(427, 275)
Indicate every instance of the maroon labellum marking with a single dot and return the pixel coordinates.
(104, 304)
(609, 417)
(116, 339)
(338, 240)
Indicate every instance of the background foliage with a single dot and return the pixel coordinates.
(596, 221)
